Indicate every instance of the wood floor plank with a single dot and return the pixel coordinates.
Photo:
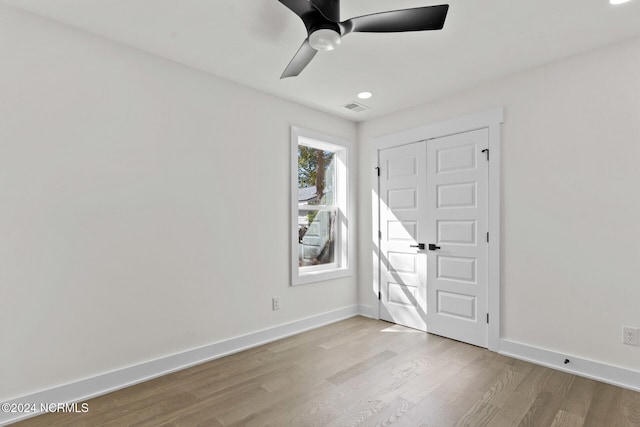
(360, 367)
(459, 403)
(630, 402)
(479, 415)
(605, 407)
(513, 409)
(361, 372)
(503, 387)
(326, 407)
(424, 410)
(432, 378)
(392, 414)
(566, 419)
(558, 383)
(535, 382)
(578, 399)
(542, 411)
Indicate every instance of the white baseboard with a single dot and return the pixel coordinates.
(88, 388)
(368, 311)
(621, 377)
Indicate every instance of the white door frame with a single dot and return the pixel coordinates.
(491, 120)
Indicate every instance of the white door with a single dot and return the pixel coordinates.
(402, 191)
(457, 227)
(436, 193)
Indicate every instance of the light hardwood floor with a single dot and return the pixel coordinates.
(361, 372)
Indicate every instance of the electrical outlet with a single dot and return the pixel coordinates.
(630, 335)
(275, 303)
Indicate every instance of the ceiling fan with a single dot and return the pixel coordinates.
(325, 31)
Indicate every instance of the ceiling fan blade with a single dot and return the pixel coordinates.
(416, 19)
(299, 7)
(302, 58)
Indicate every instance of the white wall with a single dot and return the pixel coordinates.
(144, 207)
(570, 200)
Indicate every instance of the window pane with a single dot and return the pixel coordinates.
(316, 237)
(316, 176)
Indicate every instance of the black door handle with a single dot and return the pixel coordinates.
(433, 247)
(419, 246)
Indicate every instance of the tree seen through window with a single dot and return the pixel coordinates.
(316, 206)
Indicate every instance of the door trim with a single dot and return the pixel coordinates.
(491, 120)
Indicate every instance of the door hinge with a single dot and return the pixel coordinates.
(487, 237)
(379, 295)
(487, 317)
(379, 235)
(377, 168)
(486, 150)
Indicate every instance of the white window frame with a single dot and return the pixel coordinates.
(342, 250)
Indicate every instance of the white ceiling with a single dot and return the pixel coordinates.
(252, 41)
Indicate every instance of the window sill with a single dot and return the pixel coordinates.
(320, 276)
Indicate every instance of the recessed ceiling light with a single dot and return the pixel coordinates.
(365, 95)
(617, 1)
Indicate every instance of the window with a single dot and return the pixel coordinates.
(319, 232)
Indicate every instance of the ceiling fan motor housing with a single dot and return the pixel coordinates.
(322, 24)
(329, 8)
(325, 15)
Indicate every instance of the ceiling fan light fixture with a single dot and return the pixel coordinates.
(324, 39)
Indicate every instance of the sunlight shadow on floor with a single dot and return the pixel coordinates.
(400, 328)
